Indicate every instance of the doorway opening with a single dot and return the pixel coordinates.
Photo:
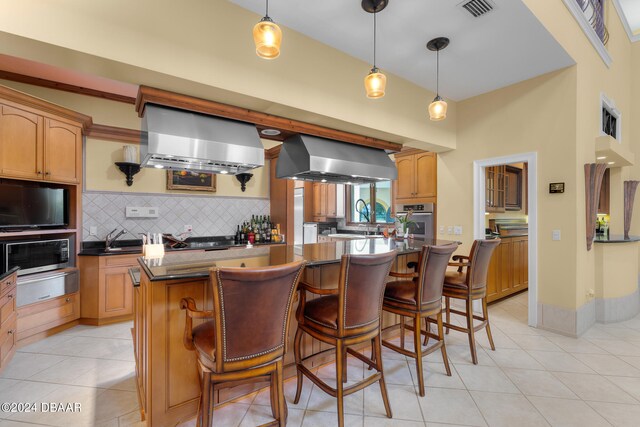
(505, 205)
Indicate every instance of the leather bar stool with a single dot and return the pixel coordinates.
(469, 283)
(246, 339)
(419, 296)
(344, 317)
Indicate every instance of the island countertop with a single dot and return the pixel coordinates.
(197, 265)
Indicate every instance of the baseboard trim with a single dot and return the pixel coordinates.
(611, 310)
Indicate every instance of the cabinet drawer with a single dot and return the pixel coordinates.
(39, 317)
(7, 306)
(7, 341)
(119, 260)
(7, 284)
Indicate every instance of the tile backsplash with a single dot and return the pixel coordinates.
(209, 216)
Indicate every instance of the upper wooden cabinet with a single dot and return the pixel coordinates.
(417, 176)
(325, 201)
(38, 140)
(62, 152)
(21, 143)
(495, 189)
(513, 188)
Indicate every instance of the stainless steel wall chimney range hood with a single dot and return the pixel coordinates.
(312, 158)
(183, 140)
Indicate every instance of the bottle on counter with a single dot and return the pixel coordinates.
(236, 238)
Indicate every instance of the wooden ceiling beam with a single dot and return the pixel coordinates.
(148, 94)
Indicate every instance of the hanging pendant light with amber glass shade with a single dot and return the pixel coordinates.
(267, 36)
(375, 82)
(438, 107)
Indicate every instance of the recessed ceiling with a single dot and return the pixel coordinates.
(631, 10)
(497, 49)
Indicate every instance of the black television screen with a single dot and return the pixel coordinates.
(30, 207)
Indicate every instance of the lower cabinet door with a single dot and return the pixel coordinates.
(7, 341)
(41, 316)
(116, 292)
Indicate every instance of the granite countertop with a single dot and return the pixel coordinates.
(132, 247)
(197, 265)
(615, 238)
(8, 273)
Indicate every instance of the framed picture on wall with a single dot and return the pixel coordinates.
(193, 181)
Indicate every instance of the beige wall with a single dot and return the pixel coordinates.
(533, 116)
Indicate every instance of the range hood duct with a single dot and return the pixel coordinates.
(183, 140)
(312, 158)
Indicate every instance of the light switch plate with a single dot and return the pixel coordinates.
(450, 229)
(555, 235)
(442, 229)
(93, 230)
(457, 229)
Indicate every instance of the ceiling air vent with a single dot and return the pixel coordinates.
(477, 8)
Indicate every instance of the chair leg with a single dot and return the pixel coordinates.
(402, 331)
(206, 410)
(344, 367)
(443, 349)
(485, 314)
(296, 352)
(339, 384)
(383, 385)
(282, 404)
(273, 392)
(373, 352)
(427, 328)
(472, 340)
(417, 343)
(447, 310)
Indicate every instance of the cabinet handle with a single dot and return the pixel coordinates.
(47, 173)
(39, 172)
(10, 332)
(10, 296)
(67, 300)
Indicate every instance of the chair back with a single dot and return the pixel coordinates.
(431, 269)
(479, 259)
(361, 291)
(252, 307)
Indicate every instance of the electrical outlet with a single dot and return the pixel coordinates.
(457, 229)
(450, 229)
(93, 230)
(555, 235)
(591, 293)
(442, 229)
(188, 228)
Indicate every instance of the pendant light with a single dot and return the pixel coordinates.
(267, 36)
(375, 82)
(438, 107)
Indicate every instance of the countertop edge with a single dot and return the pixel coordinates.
(8, 273)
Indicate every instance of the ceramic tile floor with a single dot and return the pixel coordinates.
(534, 378)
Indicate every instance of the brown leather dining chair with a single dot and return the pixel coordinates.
(344, 317)
(419, 296)
(469, 283)
(247, 337)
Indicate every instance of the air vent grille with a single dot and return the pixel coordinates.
(477, 8)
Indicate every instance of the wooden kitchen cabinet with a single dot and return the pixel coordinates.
(509, 268)
(39, 141)
(513, 188)
(417, 177)
(43, 316)
(8, 332)
(106, 288)
(325, 201)
(495, 186)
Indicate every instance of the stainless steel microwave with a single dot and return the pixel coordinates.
(35, 256)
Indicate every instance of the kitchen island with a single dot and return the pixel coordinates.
(166, 371)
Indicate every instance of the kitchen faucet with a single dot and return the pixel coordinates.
(110, 238)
